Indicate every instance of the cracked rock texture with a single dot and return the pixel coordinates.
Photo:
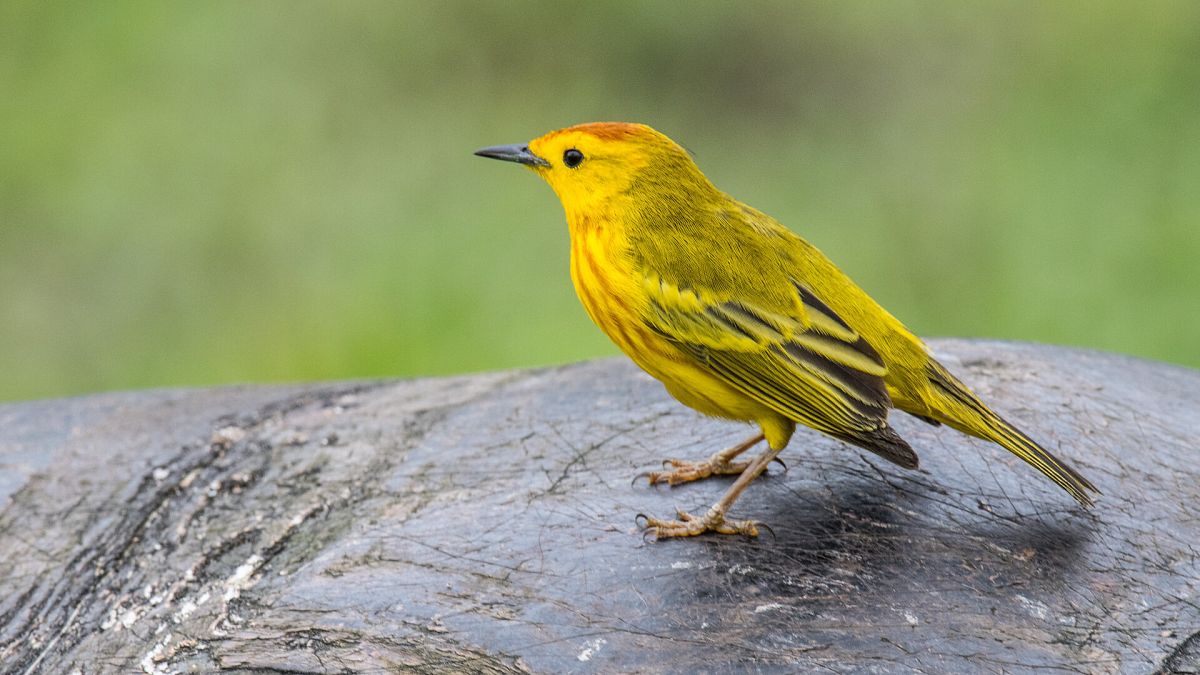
(486, 524)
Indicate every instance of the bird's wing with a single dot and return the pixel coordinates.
(803, 361)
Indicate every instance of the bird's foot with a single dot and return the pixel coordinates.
(688, 525)
(720, 464)
(684, 471)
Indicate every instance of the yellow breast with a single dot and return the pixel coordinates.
(611, 292)
(609, 289)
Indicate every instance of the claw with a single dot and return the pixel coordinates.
(641, 516)
(652, 477)
(768, 529)
(780, 463)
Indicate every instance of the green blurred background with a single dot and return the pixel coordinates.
(212, 192)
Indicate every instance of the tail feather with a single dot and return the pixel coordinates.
(1015, 441)
(970, 415)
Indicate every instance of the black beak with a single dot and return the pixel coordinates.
(513, 153)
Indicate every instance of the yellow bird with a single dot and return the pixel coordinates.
(740, 318)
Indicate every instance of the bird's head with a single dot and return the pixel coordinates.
(594, 167)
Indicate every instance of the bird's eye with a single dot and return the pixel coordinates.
(572, 158)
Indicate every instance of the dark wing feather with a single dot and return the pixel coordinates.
(805, 363)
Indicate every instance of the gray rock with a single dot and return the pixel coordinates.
(486, 524)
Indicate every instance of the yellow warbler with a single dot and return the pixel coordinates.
(739, 317)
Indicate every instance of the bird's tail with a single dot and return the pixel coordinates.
(965, 412)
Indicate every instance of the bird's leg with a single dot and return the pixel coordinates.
(714, 520)
(720, 464)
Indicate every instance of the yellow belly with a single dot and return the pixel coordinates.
(610, 291)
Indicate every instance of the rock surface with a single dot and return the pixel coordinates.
(486, 524)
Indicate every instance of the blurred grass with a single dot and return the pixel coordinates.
(200, 193)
